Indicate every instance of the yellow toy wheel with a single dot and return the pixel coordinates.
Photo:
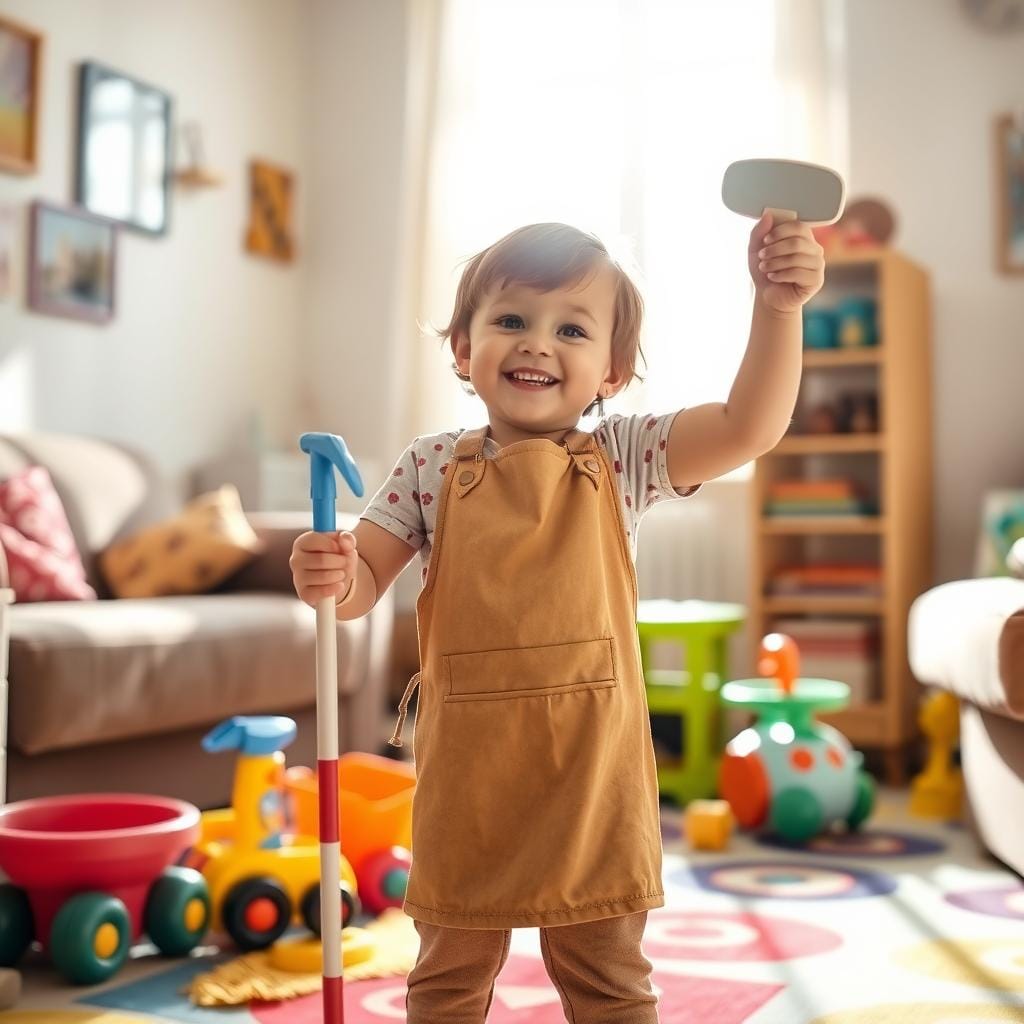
(305, 956)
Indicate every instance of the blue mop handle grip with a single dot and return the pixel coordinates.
(327, 451)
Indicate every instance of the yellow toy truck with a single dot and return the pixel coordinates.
(261, 877)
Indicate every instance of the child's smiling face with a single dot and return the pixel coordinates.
(565, 334)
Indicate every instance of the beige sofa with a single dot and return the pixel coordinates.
(116, 694)
(967, 637)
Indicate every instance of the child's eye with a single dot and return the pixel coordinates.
(573, 327)
(502, 321)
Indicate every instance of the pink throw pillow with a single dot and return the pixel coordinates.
(43, 560)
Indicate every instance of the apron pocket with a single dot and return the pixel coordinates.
(530, 671)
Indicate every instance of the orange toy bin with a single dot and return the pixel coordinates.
(375, 794)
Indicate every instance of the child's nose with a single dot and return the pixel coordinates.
(534, 340)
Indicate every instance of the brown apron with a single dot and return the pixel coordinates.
(536, 799)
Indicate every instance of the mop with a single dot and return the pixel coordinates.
(327, 451)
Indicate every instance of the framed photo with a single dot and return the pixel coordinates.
(1002, 525)
(6, 249)
(1010, 193)
(71, 263)
(270, 212)
(21, 54)
(124, 149)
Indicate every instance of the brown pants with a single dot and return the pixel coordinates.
(598, 969)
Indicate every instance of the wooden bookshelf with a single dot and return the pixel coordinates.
(894, 461)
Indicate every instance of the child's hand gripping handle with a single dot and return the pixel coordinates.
(327, 451)
(779, 216)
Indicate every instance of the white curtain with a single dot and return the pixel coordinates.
(617, 116)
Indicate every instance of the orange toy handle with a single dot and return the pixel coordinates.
(780, 658)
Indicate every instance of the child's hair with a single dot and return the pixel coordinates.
(548, 256)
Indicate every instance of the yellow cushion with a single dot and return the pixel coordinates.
(195, 551)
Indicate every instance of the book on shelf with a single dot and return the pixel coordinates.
(850, 590)
(821, 508)
(831, 488)
(850, 628)
(836, 496)
(847, 578)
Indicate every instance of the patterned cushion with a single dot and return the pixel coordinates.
(42, 559)
(189, 554)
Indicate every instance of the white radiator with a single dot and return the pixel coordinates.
(699, 547)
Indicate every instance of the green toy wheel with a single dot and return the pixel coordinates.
(796, 814)
(16, 925)
(90, 938)
(177, 911)
(864, 801)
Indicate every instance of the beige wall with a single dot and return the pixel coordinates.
(925, 86)
(357, 57)
(205, 335)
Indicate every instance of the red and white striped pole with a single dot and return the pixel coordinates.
(327, 451)
(330, 838)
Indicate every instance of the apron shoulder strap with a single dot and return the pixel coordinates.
(579, 441)
(582, 449)
(580, 446)
(470, 443)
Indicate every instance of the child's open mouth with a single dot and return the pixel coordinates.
(529, 383)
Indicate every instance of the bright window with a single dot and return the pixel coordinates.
(620, 118)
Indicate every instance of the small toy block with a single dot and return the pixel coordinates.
(708, 824)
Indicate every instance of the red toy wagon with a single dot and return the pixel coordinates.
(89, 874)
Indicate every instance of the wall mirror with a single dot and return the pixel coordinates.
(124, 149)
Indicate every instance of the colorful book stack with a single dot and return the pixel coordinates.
(837, 497)
(843, 649)
(831, 579)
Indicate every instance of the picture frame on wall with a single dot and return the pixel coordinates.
(1002, 525)
(1010, 193)
(72, 263)
(271, 200)
(7, 224)
(124, 155)
(21, 56)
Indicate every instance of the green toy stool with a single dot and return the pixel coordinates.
(703, 627)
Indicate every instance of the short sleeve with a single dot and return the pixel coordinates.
(396, 506)
(638, 446)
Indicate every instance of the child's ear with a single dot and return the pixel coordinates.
(613, 384)
(460, 349)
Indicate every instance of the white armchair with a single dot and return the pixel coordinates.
(967, 637)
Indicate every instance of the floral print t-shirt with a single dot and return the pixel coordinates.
(406, 504)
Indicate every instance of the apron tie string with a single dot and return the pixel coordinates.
(403, 708)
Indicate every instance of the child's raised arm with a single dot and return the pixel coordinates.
(788, 267)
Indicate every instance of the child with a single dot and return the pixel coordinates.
(536, 801)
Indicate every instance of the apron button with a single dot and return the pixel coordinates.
(591, 465)
(465, 477)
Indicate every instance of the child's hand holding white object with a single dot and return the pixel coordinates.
(786, 263)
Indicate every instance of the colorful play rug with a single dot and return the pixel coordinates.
(906, 924)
